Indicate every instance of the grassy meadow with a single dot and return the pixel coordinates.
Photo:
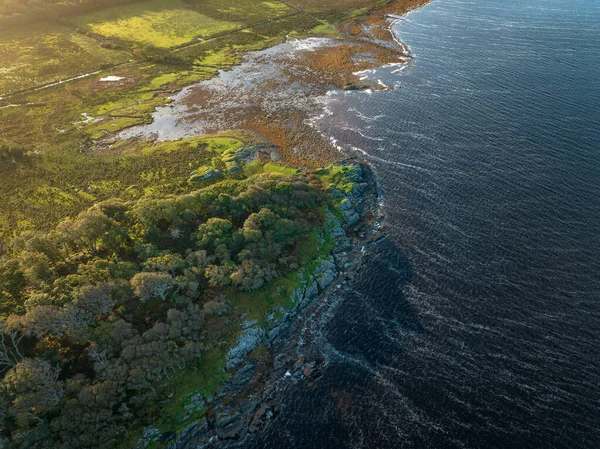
(170, 23)
(44, 54)
(160, 23)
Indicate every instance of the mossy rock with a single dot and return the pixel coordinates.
(204, 174)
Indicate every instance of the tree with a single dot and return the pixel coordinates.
(148, 286)
(46, 243)
(92, 418)
(217, 307)
(265, 219)
(220, 274)
(40, 321)
(36, 267)
(199, 259)
(93, 300)
(285, 230)
(32, 388)
(166, 263)
(12, 285)
(249, 275)
(10, 338)
(216, 231)
(85, 231)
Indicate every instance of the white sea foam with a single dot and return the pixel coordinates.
(366, 118)
(400, 69)
(364, 72)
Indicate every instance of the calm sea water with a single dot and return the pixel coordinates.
(477, 324)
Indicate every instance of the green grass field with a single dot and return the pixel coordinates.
(44, 54)
(161, 23)
(169, 23)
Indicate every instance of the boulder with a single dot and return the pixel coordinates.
(149, 435)
(190, 435)
(309, 369)
(204, 175)
(311, 291)
(352, 217)
(345, 204)
(333, 226)
(275, 156)
(326, 273)
(247, 341)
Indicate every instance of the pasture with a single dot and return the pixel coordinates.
(46, 54)
(170, 23)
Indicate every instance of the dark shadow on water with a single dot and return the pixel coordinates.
(375, 315)
(364, 333)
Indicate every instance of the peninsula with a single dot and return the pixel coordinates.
(149, 285)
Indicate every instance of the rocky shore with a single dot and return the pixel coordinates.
(249, 399)
(248, 402)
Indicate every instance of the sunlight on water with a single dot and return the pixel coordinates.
(477, 324)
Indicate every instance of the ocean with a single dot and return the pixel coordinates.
(476, 324)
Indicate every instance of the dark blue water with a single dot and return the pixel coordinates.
(477, 324)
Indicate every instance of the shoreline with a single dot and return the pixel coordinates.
(277, 93)
(248, 402)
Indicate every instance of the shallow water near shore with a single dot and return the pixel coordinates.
(221, 103)
(477, 323)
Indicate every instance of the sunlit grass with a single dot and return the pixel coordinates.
(45, 54)
(161, 23)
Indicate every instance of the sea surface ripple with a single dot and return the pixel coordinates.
(476, 324)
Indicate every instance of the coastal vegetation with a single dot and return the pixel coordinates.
(65, 152)
(129, 268)
(107, 316)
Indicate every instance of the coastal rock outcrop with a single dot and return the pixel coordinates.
(246, 402)
(246, 342)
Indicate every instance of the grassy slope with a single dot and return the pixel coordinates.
(53, 188)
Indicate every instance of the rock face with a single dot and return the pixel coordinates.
(326, 273)
(248, 399)
(189, 436)
(149, 435)
(252, 152)
(246, 342)
(234, 163)
(204, 175)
